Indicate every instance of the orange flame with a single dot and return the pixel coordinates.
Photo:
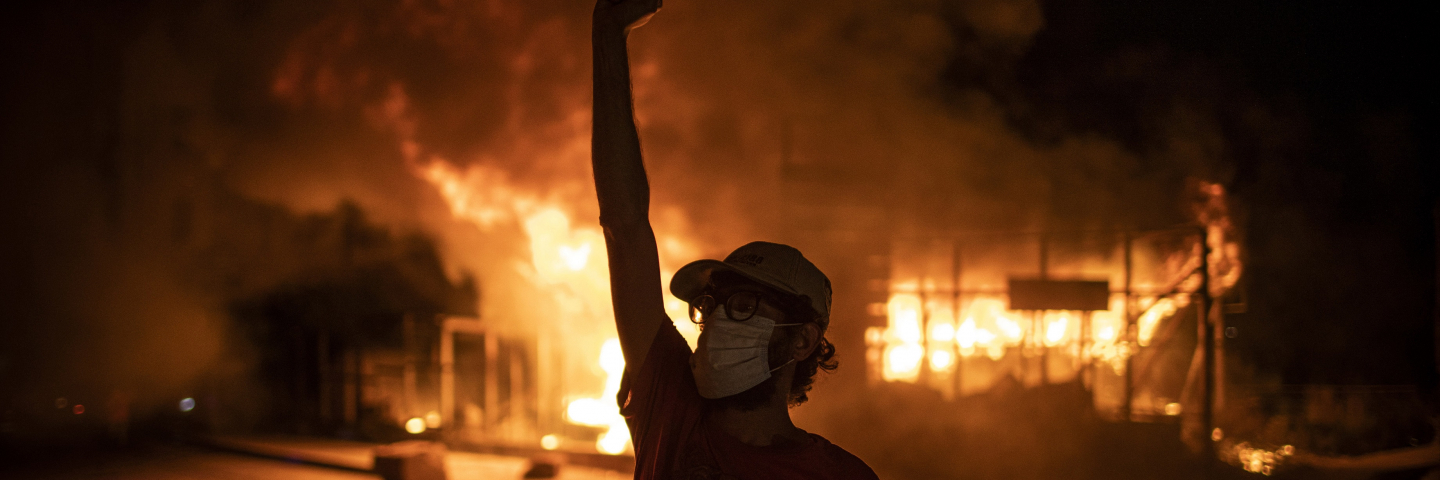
(566, 266)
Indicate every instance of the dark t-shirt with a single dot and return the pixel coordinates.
(666, 416)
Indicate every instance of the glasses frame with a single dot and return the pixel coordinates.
(705, 304)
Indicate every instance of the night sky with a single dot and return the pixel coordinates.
(1327, 124)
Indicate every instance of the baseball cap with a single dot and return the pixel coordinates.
(774, 265)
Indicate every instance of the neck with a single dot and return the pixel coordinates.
(767, 425)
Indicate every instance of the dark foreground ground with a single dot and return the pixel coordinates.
(177, 461)
(909, 433)
(166, 462)
(251, 458)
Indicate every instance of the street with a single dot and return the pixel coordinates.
(178, 462)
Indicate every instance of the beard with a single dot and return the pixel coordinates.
(756, 397)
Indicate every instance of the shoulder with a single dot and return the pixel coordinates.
(665, 351)
(846, 465)
(665, 372)
(668, 351)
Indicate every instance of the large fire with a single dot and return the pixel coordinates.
(568, 263)
(566, 267)
(955, 337)
(988, 330)
(603, 411)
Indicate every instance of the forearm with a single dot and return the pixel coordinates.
(620, 181)
(624, 195)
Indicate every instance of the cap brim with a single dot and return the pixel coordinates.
(691, 279)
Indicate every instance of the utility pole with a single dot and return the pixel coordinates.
(1207, 339)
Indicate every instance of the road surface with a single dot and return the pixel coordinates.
(181, 462)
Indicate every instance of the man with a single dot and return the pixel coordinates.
(723, 411)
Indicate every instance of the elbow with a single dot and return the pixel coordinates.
(624, 222)
(627, 229)
(624, 214)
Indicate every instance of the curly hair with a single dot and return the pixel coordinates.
(781, 350)
(823, 358)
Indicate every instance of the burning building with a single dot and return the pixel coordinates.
(930, 156)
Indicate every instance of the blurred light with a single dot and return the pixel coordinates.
(874, 336)
(1259, 460)
(1106, 334)
(903, 353)
(966, 337)
(612, 359)
(1010, 328)
(187, 404)
(904, 312)
(79, 409)
(902, 362)
(415, 425)
(1055, 330)
(550, 442)
(942, 332)
(940, 360)
(1150, 320)
(61, 402)
(575, 258)
(1217, 434)
(613, 441)
(1172, 409)
(588, 411)
(432, 419)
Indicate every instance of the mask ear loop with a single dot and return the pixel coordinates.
(792, 360)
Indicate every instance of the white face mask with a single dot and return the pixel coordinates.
(733, 356)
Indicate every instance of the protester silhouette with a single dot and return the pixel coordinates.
(722, 412)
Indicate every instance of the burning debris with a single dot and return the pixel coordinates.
(1259, 460)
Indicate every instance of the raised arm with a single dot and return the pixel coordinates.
(620, 182)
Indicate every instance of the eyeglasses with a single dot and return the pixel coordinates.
(739, 306)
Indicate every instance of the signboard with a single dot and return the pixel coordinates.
(1029, 294)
